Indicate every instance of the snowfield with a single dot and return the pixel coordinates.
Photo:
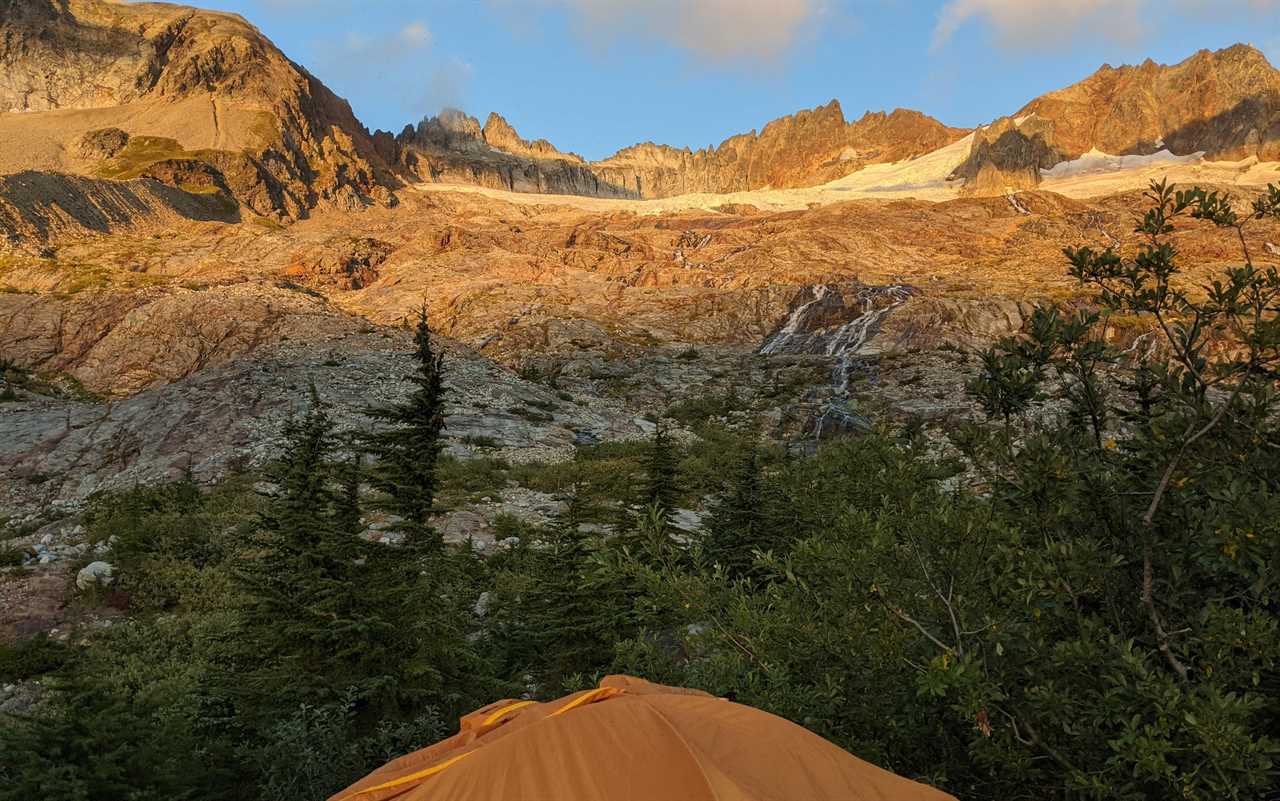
(925, 178)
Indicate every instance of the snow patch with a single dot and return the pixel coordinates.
(929, 171)
(1095, 161)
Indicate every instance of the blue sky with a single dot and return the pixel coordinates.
(596, 75)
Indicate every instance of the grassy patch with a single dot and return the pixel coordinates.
(463, 480)
(701, 408)
(198, 189)
(140, 153)
(50, 383)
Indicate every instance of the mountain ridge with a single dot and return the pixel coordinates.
(808, 147)
(204, 82)
(1224, 104)
(203, 101)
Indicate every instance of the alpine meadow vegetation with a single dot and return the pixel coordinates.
(1072, 596)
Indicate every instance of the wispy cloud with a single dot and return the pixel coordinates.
(714, 30)
(1025, 24)
(1028, 24)
(446, 87)
(397, 45)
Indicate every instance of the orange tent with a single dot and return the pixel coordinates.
(630, 740)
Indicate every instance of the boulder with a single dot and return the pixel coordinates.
(95, 574)
(101, 144)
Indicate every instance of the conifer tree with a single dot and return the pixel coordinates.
(407, 446)
(658, 487)
(423, 585)
(737, 526)
(566, 610)
(312, 626)
(347, 499)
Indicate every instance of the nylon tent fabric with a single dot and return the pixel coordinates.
(632, 740)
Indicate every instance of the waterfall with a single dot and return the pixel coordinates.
(786, 336)
(813, 327)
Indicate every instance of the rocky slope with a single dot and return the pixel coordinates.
(453, 148)
(1224, 104)
(191, 98)
(804, 149)
(189, 345)
(515, 280)
(143, 269)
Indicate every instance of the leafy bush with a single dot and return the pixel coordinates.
(172, 543)
(12, 557)
(311, 753)
(1099, 620)
(32, 657)
(701, 408)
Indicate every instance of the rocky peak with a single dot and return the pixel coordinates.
(451, 129)
(1224, 103)
(198, 84)
(92, 54)
(810, 147)
(499, 135)
(807, 148)
(455, 131)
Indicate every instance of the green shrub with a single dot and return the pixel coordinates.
(701, 408)
(32, 657)
(172, 543)
(311, 753)
(12, 557)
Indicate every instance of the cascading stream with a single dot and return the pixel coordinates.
(815, 327)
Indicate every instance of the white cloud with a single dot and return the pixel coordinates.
(414, 35)
(716, 30)
(446, 87)
(1026, 24)
(391, 47)
(1023, 24)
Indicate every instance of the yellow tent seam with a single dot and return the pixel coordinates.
(496, 716)
(422, 774)
(597, 694)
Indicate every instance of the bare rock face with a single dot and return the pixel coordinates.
(452, 147)
(37, 206)
(804, 149)
(499, 135)
(227, 414)
(117, 343)
(1007, 157)
(210, 82)
(1225, 104)
(344, 263)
